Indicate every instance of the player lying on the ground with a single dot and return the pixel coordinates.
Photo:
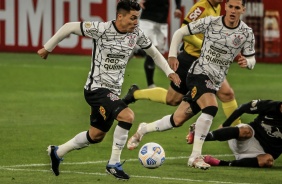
(256, 144)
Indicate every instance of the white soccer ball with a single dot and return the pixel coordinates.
(151, 155)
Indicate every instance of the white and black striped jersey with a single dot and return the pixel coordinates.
(221, 45)
(110, 53)
(267, 125)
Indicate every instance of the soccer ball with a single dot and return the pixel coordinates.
(151, 155)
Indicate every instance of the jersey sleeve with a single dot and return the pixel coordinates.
(91, 29)
(143, 41)
(199, 26)
(249, 46)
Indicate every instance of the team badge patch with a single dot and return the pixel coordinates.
(87, 25)
(103, 112)
(237, 40)
(194, 92)
(113, 97)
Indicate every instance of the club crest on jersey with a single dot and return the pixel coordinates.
(113, 97)
(102, 112)
(194, 92)
(196, 13)
(131, 40)
(237, 40)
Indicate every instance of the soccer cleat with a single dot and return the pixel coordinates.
(55, 160)
(117, 171)
(198, 163)
(134, 141)
(191, 134)
(211, 160)
(129, 97)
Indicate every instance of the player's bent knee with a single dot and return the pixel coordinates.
(245, 132)
(211, 110)
(176, 121)
(126, 115)
(265, 160)
(226, 95)
(173, 101)
(96, 139)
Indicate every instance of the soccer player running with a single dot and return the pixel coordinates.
(224, 38)
(256, 144)
(192, 49)
(113, 42)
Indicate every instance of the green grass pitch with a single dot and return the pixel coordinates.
(42, 103)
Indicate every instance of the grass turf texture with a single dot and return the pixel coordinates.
(42, 103)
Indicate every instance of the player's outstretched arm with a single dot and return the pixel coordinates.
(62, 33)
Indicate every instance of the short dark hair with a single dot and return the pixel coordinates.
(128, 5)
(243, 2)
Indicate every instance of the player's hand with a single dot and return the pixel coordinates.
(177, 13)
(43, 53)
(175, 79)
(173, 63)
(242, 62)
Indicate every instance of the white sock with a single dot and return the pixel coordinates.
(120, 137)
(202, 128)
(78, 142)
(159, 125)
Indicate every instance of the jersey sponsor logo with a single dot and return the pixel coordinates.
(103, 112)
(272, 131)
(112, 64)
(116, 56)
(196, 13)
(194, 92)
(212, 57)
(218, 50)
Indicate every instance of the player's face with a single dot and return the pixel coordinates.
(234, 9)
(129, 21)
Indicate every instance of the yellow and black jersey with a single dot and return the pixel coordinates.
(201, 9)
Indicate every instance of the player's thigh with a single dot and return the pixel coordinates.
(225, 93)
(105, 107)
(126, 115)
(173, 97)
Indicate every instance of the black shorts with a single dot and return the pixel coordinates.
(105, 106)
(185, 62)
(197, 86)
